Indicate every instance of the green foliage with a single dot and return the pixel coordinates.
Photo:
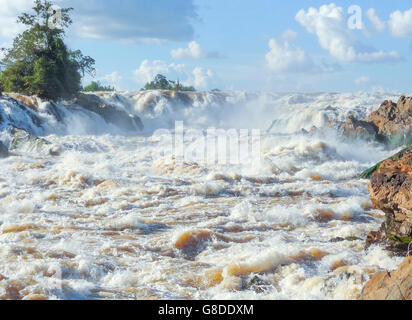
(97, 86)
(39, 62)
(160, 82)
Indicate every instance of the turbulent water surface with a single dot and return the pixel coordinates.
(107, 220)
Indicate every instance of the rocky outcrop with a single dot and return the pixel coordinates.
(110, 113)
(391, 191)
(393, 119)
(395, 285)
(360, 129)
(391, 123)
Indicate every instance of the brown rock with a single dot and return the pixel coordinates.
(359, 129)
(391, 191)
(391, 123)
(393, 118)
(395, 285)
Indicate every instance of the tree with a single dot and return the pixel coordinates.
(97, 86)
(160, 82)
(39, 62)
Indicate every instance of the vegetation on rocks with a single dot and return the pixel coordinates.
(160, 82)
(97, 86)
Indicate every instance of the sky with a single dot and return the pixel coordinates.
(262, 45)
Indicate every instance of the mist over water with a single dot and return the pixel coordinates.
(117, 223)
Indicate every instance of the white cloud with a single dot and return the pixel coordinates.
(202, 78)
(400, 23)
(113, 79)
(377, 23)
(289, 35)
(362, 80)
(149, 69)
(286, 58)
(193, 51)
(198, 77)
(9, 11)
(329, 24)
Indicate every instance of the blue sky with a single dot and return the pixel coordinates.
(264, 45)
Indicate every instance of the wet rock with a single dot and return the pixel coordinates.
(395, 285)
(4, 152)
(390, 124)
(109, 112)
(391, 191)
(393, 118)
(360, 129)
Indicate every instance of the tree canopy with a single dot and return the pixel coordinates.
(97, 86)
(160, 82)
(39, 62)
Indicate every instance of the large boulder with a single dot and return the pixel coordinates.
(109, 112)
(393, 118)
(391, 191)
(391, 123)
(395, 285)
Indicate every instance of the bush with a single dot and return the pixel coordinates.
(160, 82)
(97, 86)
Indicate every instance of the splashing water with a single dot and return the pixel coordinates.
(105, 220)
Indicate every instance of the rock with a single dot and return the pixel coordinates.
(109, 112)
(360, 129)
(393, 119)
(30, 101)
(391, 191)
(4, 152)
(395, 285)
(391, 123)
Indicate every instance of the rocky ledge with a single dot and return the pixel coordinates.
(390, 124)
(391, 191)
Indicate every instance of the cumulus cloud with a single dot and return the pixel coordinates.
(287, 58)
(400, 23)
(113, 79)
(202, 78)
(149, 69)
(377, 23)
(198, 77)
(284, 57)
(329, 24)
(194, 51)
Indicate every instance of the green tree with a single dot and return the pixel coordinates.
(160, 82)
(39, 62)
(97, 86)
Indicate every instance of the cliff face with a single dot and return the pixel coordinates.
(391, 191)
